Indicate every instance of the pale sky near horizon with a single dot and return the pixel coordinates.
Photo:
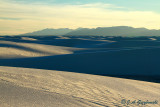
(23, 16)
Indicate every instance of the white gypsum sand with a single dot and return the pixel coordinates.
(20, 50)
(36, 87)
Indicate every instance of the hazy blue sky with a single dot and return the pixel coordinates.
(21, 16)
(144, 5)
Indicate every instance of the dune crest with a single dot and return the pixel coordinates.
(19, 50)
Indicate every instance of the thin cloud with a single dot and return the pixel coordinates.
(8, 18)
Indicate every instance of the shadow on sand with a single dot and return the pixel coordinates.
(140, 64)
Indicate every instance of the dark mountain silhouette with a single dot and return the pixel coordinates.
(48, 31)
(115, 31)
(100, 31)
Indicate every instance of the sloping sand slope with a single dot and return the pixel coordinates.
(36, 87)
(143, 62)
(10, 49)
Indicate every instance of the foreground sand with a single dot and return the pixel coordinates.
(23, 87)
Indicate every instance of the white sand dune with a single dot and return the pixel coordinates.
(125, 62)
(29, 87)
(28, 38)
(23, 87)
(19, 50)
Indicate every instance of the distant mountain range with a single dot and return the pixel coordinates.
(100, 31)
(56, 32)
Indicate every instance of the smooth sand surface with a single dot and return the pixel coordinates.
(24, 87)
(10, 49)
